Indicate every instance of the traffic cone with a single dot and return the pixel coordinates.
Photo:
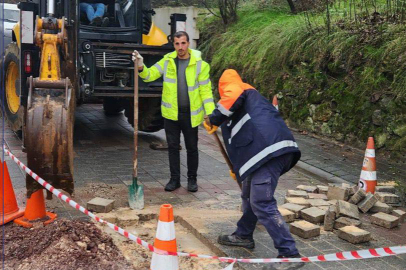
(275, 102)
(8, 201)
(165, 240)
(368, 179)
(35, 211)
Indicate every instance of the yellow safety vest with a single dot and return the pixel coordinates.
(198, 82)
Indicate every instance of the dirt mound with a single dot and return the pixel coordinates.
(64, 244)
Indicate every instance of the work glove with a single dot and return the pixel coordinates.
(137, 55)
(232, 174)
(209, 127)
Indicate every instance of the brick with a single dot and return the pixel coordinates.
(325, 208)
(310, 189)
(354, 235)
(358, 196)
(296, 193)
(348, 187)
(337, 193)
(346, 209)
(345, 221)
(332, 202)
(329, 218)
(304, 229)
(381, 207)
(367, 203)
(317, 196)
(388, 198)
(313, 214)
(322, 189)
(385, 189)
(297, 200)
(318, 202)
(385, 220)
(295, 208)
(287, 215)
(100, 205)
(400, 214)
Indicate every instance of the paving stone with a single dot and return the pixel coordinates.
(295, 208)
(332, 202)
(322, 189)
(100, 205)
(400, 214)
(317, 196)
(385, 189)
(324, 208)
(337, 193)
(346, 209)
(388, 198)
(358, 196)
(367, 203)
(354, 235)
(345, 221)
(297, 200)
(318, 202)
(313, 214)
(287, 215)
(329, 218)
(385, 220)
(304, 229)
(381, 207)
(310, 189)
(297, 193)
(350, 188)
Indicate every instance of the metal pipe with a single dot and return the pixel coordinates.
(51, 7)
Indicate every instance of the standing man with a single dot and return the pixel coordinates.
(186, 97)
(261, 149)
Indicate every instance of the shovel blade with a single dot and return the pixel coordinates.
(136, 195)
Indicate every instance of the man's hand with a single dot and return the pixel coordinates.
(208, 126)
(137, 55)
(232, 174)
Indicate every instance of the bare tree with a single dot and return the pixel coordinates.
(227, 9)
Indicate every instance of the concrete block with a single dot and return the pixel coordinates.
(310, 189)
(400, 214)
(313, 214)
(349, 187)
(325, 208)
(304, 229)
(329, 218)
(296, 193)
(385, 189)
(100, 205)
(322, 189)
(346, 209)
(388, 198)
(332, 202)
(385, 220)
(287, 215)
(381, 207)
(295, 208)
(358, 196)
(345, 221)
(367, 203)
(354, 190)
(354, 235)
(318, 202)
(297, 200)
(317, 196)
(337, 193)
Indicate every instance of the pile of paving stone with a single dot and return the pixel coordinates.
(338, 208)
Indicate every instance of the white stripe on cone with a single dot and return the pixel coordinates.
(366, 175)
(165, 231)
(164, 262)
(370, 153)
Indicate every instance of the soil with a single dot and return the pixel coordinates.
(64, 244)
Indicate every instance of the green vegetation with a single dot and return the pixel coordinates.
(347, 80)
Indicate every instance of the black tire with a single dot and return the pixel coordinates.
(149, 115)
(14, 112)
(112, 106)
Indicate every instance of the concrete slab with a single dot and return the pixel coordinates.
(310, 189)
(358, 196)
(313, 214)
(381, 207)
(388, 198)
(367, 203)
(304, 229)
(287, 215)
(346, 209)
(297, 200)
(100, 205)
(354, 235)
(297, 193)
(295, 208)
(345, 221)
(318, 202)
(317, 196)
(337, 193)
(385, 220)
(329, 218)
(400, 214)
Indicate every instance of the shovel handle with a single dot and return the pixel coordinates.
(135, 161)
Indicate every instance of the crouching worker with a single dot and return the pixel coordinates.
(261, 149)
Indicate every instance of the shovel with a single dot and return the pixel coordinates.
(136, 191)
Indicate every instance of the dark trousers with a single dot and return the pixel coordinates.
(172, 131)
(258, 203)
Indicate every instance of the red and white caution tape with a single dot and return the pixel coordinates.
(340, 256)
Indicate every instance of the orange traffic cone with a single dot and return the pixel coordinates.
(275, 102)
(368, 179)
(165, 240)
(35, 211)
(8, 201)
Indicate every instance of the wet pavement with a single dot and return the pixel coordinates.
(103, 149)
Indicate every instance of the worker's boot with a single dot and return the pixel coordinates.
(285, 265)
(234, 240)
(172, 184)
(192, 184)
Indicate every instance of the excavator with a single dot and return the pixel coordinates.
(57, 61)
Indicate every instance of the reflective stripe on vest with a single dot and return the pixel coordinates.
(208, 100)
(166, 79)
(204, 82)
(238, 126)
(197, 111)
(167, 105)
(159, 68)
(270, 149)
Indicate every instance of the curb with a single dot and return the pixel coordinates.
(319, 173)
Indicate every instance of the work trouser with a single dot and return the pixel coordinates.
(92, 10)
(258, 203)
(172, 131)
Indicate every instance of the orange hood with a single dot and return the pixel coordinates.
(230, 76)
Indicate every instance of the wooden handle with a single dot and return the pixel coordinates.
(135, 171)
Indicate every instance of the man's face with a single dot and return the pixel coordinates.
(181, 46)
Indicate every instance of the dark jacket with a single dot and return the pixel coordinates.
(253, 130)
